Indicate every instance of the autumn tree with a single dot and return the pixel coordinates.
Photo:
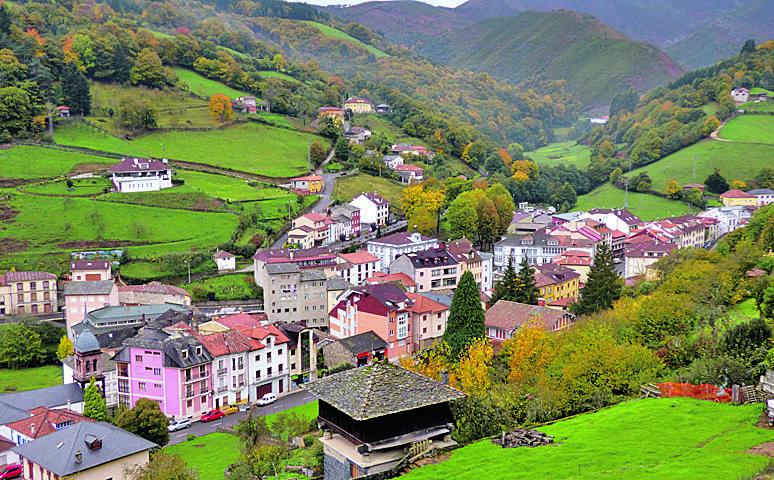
(739, 184)
(65, 348)
(148, 70)
(317, 152)
(163, 466)
(603, 286)
(472, 373)
(673, 188)
(93, 402)
(20, 346)
(466, 316)
(529, 353)
(220, 107)
(424, 220)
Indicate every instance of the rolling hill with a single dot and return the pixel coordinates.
(596, 61)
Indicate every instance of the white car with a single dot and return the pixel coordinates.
(267, 399)
(179, 424)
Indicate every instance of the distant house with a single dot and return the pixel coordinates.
(357, 135)
(153, 293)
(63, 110)
(401, 279)
(382, 108)
(556, 282)
(763, 97)
(90, 270)
(84, 451)
(432, 270)
(247, 104)
(728, 218)
(225, 261)
(141, 175)
(740, 95)
(504, 318)
(643, 252)
(374, 209)
(86, 296)
(738, 198)
(392, 161)
(24, 293)
(599, 120)
(310, 184)
(358, 105)
(694, 186)
(390, 247)
(577, 261)
(409, 173)
(335, 112)
(358, 350)
(406, 148)
(356, 267)
(763, 196)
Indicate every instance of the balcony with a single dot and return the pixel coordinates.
(222, 389)
(222, 371)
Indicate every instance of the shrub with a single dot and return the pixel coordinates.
(190, 437)
(309, 439)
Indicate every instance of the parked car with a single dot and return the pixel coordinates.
(13, 470)
(179, 424)
(229, 409)
(267, 399)
(212, 415)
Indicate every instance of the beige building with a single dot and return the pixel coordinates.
(432, 270)
(358, 105)
(84, 451)
(468, 258)
(153, 293)
(291, 294)
(27, 293)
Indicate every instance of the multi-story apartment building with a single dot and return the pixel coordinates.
(685, 231)
(616, 219)
(82, 297)
(291, 294)
(539, 248)
(312, 258)
(231, 351)
(468, 259)
(25, 293)
(428, 321)
(356, 267)
(432, 270)
(169, 366)
(374, 209)
(90, 270)
(556, 284)
(392, 246)
(729, 218)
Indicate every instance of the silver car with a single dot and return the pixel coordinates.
(179, 424)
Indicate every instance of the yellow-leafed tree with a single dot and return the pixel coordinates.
(220, 107)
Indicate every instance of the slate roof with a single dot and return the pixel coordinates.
(10, 413)
(552, 274)
(435, 257)
(281, 268)
(381, 389)
(400, 238)
(139, 165)
(511, 315)
(624, 215)
(56, 452)
(56, 396)
(171, 344)
(86, 342)
(131, 312)
(761, 191)
(89, 265)
(363, 342)
(155, 287)
(99, 287)
(338, 283)
(25, 277)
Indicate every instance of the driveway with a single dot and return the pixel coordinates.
(282, 404)
(320, 207)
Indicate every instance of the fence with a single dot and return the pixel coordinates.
(704, 391)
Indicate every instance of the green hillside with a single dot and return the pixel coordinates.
(670, 438)
(334, 33)
(596, 61)
(645, 206)
(204, 87)
(750, 128)
(25, 162)
(567, 153)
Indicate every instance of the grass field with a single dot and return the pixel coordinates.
(349, 187)
(25, 161)
(378, 124)
(275, 119)
(744, 311)
(735, 160)
(332, 32)
(568, 153)
(30, 378)
(238, 286)
(759, 90)
(204, 87)
(647, 207)
(280, 75)
(750, 128)
(758, 106)
(248, 147)
(228, 188)
(183, 197)
(676, 439)
(81, 187)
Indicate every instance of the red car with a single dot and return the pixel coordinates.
(13, 470)
(212, 415)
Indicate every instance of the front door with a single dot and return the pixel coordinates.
(217, 403)
(281, 386)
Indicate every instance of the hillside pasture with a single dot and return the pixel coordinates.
(647, 207)
(347, 188)
(246, 147)
(182, 197)
(750, 128)
(82, 187)
(229, 188)
(27, 162)
(204, 87)
(279, 75)
(334, 33)
(674, 438)
(567, 153)
(734, 160)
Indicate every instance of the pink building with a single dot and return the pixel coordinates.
(169, 366)
(90, 270)
(82, 297)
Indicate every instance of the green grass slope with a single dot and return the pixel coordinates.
(204, 87)
(567, 153)
(734, 160)
(596, 61)
(26, 162)
(647, 207)
(750, 128)
(334, 33)
(229, 188)
(248, 147)
(676, 439)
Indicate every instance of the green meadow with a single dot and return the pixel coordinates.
(204, 87)
(25, 162)
(567, 153)
(647, 207)
(334, 33)
(750, 128)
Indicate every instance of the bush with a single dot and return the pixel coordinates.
(190, 437)
(309, 439)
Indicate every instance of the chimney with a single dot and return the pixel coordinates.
(291, 254)
(32, 430)
(445, 377)
(78, 456)
(541, 302)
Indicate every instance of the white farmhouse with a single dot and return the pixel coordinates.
(740, 95)
(141, 175)
(225, 261)
(374, 209)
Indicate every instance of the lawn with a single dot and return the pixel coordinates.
(30, 378)
(379, 124)
(237, 286)
(52, 223)
(347, 188)
(204, 87)
(647, 207)
(334, 33)
(229, 188)
(25, 161)
(734, 160)
(182, 197)
(568, 153)
(82, 187)
(758, 106)
(743, 311)
(672, 439)
(248, 147)
(750, 128)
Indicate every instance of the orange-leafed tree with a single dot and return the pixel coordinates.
(530, 351)
(220, 107)
(472, 374)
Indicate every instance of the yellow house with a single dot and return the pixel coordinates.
(556, 282)
(358, 105)
(309, 184)
(738, 198)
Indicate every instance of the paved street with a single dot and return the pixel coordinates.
(284, 403)
(319, 207)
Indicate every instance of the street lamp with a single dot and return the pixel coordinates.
(188, 264)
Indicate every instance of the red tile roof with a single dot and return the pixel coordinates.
(308, 178)
(379, 278)
(6, 444)
(511, 315)
(423, 304)
(44, 420)
(228, 342)
(358, 258)
(154, 287)
(407, 167)
(223, 254)
(252, 326)
(734, 193)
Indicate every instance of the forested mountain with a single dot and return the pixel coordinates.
(596, 61)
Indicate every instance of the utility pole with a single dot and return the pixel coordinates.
(50, 121)
(309, 155)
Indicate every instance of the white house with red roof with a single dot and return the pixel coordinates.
(63, 110)
(231, 352)
(409, 149)
(356, 267)
(358, 105)
(410, 173)
(740, 95)
(141, 175)
(225, 261)
(374, 209)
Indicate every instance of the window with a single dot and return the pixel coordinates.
(33, 286)
(268, 372)
(138, 358)
(20, 298)
(279, 368)
(141, 386)
(45, 285)
(268, 356)
(157, 371)
(258, 358)
(198, 350)
(279, 352)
